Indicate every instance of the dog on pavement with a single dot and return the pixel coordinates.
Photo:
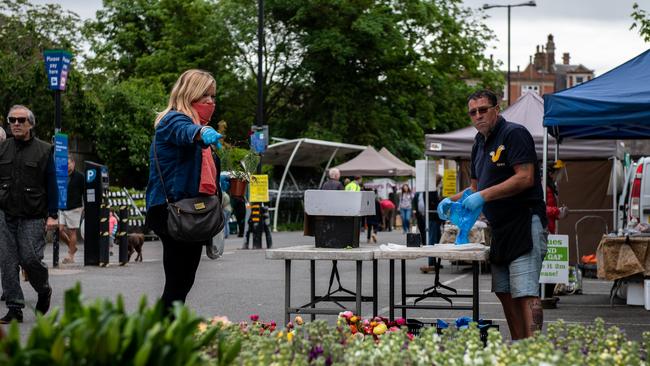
(135, 240)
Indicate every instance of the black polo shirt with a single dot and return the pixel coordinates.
(509, 144)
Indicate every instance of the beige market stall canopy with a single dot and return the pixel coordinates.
(373, 164)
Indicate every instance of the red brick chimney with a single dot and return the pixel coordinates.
(566, 58)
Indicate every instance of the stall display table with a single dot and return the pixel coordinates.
(313, 254)
(474, 253)
(623, 256)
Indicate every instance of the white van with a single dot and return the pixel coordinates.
(634, 202)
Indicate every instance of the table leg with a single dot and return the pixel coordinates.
(374, 287)
(287, 290)
(358, 294)
(312, 288)
(391, 289)
(475, 299)
(403, 269)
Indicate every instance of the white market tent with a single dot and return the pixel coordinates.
(304, 152)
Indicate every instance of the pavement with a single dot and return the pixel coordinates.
(243, 282)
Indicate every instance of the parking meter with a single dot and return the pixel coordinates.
(96, 214)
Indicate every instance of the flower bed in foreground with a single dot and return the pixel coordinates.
(103, 333)
(348, 343)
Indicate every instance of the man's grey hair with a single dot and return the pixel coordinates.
(334, 173)
(3, 134)
(30, 115)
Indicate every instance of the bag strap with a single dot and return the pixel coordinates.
(155, 156)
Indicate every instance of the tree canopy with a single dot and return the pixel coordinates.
(379, 72)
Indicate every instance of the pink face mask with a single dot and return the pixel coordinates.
(204, 110)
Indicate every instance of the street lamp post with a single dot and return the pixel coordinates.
(488, 6)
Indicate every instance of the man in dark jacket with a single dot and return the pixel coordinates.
(333, 183)
(28, 204)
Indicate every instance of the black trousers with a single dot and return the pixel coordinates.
(180, 259)
(239, 210)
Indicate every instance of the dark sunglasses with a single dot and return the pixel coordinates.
(20, 120)
(480, 110)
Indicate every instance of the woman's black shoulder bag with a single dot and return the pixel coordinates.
(196, 219)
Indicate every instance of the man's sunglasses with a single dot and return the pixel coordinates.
(480, 110)
(13, 120)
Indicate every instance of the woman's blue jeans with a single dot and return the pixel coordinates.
(406, 219)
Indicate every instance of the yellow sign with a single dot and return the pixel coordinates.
(449, 183)
(259, 188)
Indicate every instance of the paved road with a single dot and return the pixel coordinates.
(243, 282)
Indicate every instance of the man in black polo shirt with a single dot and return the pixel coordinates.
(506, 182)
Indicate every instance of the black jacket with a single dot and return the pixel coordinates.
(434, 199)
(28, 179)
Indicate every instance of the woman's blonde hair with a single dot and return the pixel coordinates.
(189, 87)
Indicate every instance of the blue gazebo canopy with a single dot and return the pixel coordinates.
(615, 105)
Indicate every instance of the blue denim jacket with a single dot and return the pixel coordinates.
(179, 157)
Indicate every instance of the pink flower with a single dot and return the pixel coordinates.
(410, 336)
(346, 314)
(393, 329)
(400, 321)
(255, 317)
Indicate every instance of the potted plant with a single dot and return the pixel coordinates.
(240, 164)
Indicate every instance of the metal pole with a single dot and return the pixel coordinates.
(322, 178)
(57, 111)
(258, 227)
(509, 96)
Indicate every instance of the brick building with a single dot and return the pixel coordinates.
(543, 75)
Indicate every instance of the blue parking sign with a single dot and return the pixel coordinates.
(61, 165)
(57, 67)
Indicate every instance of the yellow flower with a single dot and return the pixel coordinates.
(290, 336)
(380, 329)
(202, 327)
(299, 320)
(280, 334)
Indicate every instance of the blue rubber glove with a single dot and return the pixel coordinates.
(473, 202)
(443, 208)
(210, 136)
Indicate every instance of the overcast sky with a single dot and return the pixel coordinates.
(595, 32)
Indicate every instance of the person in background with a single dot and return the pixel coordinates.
(373, 221)
(506, 186)
(393, 196)
(181, 143)
(28, 206)
(333, 183)
(435, 222)
(355, 185)
(227, 211)
(70, 218)
(239, 210)
(405, 207)
(387, 211)
(553, 213)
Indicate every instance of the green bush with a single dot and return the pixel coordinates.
(102, 333)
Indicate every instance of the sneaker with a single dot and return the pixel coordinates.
(43, 303)
(13, 314)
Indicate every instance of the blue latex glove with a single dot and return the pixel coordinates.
(210, 136)
(474, 202)
(443, 208)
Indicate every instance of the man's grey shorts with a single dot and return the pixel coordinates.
(520, 278)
